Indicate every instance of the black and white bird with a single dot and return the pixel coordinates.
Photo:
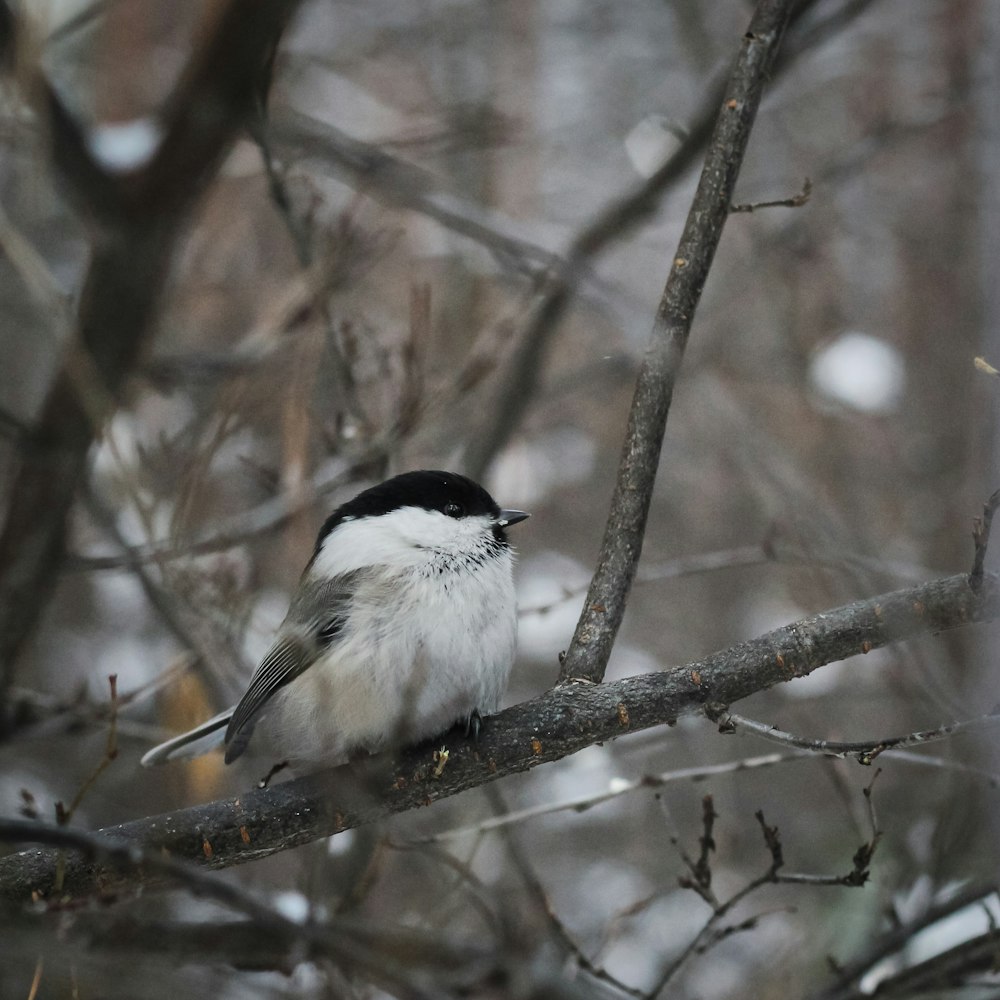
(403, 623)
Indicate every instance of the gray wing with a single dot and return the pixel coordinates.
(315, 621)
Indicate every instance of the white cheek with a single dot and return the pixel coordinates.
(355, 545)
(403, 538)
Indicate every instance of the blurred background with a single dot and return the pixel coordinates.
(351, 299)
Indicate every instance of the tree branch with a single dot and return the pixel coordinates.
(520, 381)
(864, 751)
(561, 722)
(139, 213)
(604, 606)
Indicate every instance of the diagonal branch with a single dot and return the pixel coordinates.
(604, 606)
(139, 214)
(520, 380)
(563, 721)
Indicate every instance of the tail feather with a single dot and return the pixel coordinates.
(198, 741)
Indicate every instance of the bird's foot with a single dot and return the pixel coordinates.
(473, 724)
(266, 780)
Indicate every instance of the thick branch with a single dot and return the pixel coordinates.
(604, 607)
(560, 722)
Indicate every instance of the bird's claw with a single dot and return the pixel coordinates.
(266, 780)
(473, 724)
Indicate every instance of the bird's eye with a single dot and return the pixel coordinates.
(454, 509)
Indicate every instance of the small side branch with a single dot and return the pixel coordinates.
(981, 537)
(865, 751)
(713, 931)
(796, 201)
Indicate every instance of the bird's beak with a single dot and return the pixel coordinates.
(509, 517)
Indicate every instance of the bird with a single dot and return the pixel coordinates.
(403, 624)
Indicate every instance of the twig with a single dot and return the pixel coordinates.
(618, 788)
(36, 979)
(702, 869)
(390, 179)
(865, 751)
(796, 201)
(36, 275)
(922, 760)
(356, 944)
(160, 598)
(82, 710)
(259, 521)
(604, 606)
(562, 933)
(482, 896)
(558, 723)
(518, 386)
(981, 537)
(708, 936)
(861, 862)
(899, 936)
(64, 815)
(745, 556)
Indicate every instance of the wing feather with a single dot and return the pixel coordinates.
(315, 621)
(284, 661)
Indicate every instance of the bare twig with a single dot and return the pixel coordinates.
(481, 895)
(560, 722)
(564, 937)
(849, 976)
(261, 520)
(35, 273)
(64, 814)
(618, 788)
(390, 179)
(981, 537)
(865, 751)
(604, 606)
(33, 708)
(702, 869)
(355, 944)
(796, 201)
(710, 933)
(744, 556)
(861, 862)
(519, 384)
(944, 764)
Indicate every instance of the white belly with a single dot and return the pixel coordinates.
(408, 669)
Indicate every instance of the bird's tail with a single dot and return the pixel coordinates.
(199, 740)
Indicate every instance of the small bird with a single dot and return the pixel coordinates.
(403, 623)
